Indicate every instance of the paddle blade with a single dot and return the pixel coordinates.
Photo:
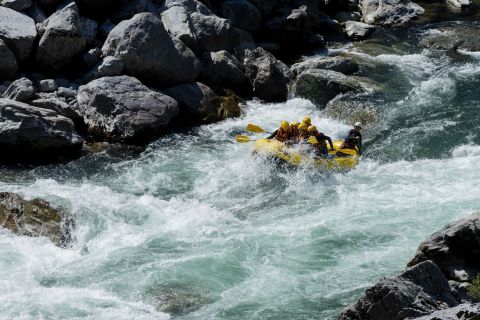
(254, 128)
(312, 140)
(243, 139)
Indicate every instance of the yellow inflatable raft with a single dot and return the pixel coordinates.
(297, 155)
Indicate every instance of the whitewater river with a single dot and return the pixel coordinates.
(194, 227)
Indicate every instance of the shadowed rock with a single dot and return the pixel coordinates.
(199, 104)
(35, 218)
(8, 63)
(453, 38)
(269, 77)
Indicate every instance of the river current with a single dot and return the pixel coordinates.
(195, 227)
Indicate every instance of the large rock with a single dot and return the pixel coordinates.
(17, 5)
(465, 311)
(339, 64)
(123, 109)
(242, 14)
(320, 86)
(293, 29)
(199, 104)
(455, 249)
(358, 30)
(269, 77)
(109, 67)
(453, 38)
(27, 131)
(148, 52)
(62, 38)
(222, 69)
(18, 31)
(195, 25)
(418, 291)
(8, 63)
(35, 218)
(389, 12)
(20, 90)
(460, 3)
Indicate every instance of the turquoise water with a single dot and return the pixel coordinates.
(194, 227)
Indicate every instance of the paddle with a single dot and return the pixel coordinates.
(256, 129)
(244, 139)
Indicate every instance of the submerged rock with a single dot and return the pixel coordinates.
(455, 249)
(35, 218)
(339, 64)
(418, 291)
(453, 38)
(389, 12)
(269, 77)
(123, 109)
(18, 31)
(27, 131)
(320, 86)
(148, 52)
(199, 104)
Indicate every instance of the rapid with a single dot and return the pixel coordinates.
(195, 227)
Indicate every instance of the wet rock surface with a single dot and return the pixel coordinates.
(35, 218)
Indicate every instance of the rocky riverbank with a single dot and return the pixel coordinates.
(129, 71)
(435, 284)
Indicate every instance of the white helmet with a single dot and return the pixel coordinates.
(358, 124)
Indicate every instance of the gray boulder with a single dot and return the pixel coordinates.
(339, 64)
(8, 63)
(58, 104)
(67, 92)
(358, 30)
(418, 291)
(222, 69)
(18, 5)
(242, 14)
(453, 38)
(389, 12)
(320, 86)
(48, 85)
(18, 31)
(123, 109)
(35, 218)
(465, 311)
(460, 3)
(30, 131)
(109, 67)
(20, 90)
(61, 39)
(455, 249)
(195, 25)
(268, 76)
(148, 52)
(199, 104)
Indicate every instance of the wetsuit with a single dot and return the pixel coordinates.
(321, 146)
(354, 138)
(280, 135)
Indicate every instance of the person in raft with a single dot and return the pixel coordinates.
(302, 132)
(283, 133)
(321, 145)
(354, 138)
